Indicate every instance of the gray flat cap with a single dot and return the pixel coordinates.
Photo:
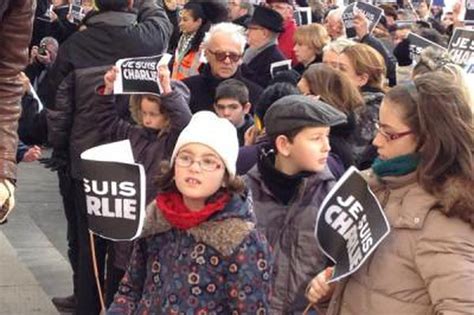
(297, 111)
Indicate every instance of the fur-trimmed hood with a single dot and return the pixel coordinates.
(457, 199)
(225, 230)
(135, 100)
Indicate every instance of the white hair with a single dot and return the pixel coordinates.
(48, 40)
(336, 14)
(339, 45)
(234, 31)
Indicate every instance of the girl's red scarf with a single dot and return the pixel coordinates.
(177, 214)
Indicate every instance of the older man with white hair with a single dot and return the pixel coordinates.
(223, 48)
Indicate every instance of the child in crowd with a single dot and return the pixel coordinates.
(232, 102)
(200, 251)
(159, 122)
(288, 185)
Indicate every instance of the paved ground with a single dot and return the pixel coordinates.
(33, 261)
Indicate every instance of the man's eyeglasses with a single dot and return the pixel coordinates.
(222, 56)
(207, 164)
(390, 136)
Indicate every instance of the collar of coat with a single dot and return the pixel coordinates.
(112, 18)
(224, 235)
(455, 199)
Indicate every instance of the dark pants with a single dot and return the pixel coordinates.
(114, 276)
(67, 194)
(87, 294)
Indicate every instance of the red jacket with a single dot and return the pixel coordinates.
(286, 42)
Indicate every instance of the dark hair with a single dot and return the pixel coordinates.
(436, 107)
(234, 89)
(165, 180)
(434, 36)
(286, 76)
(272, 94)
(111, 5)
(389, 10)
(210, 13)
(290, 134)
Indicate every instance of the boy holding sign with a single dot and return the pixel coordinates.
(288, 185)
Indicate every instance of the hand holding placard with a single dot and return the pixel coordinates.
(109, 79)
(319, 289)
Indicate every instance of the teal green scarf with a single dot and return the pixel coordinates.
(401, 165)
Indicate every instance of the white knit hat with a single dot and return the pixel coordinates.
(217, 133)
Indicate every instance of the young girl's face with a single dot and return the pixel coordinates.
(198, 173)
(151, 115)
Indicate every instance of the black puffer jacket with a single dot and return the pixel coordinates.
(83, 60)
(203, 88)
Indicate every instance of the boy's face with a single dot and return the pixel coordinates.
(308, 151)
(232, 110)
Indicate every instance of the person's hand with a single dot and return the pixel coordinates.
(59, 161)
(33, 53)
(33, 154)
(7, 198)
(53, 16)
(171, 5)
(164, 77)
(318, 289)
(25, 81)
(109, 79)
(250, 136)
(44, 59)
(457, 7)
(361, 24)
(457, 19)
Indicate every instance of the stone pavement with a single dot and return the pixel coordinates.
(33, 259)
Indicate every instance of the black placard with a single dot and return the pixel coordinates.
(461, 46)
(418, 43)
(115, 193)
(139, 75)
(350, 224)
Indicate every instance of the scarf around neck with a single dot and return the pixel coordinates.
(282, 186)
(178, 214)
(398, 166)
(251, 53)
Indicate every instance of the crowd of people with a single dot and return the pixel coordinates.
(239, 158)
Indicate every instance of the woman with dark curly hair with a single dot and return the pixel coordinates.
(195, 20)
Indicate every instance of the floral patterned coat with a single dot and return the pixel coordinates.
(221, 266)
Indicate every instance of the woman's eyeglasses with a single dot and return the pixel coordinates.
(222, 56)
(390, 136)
(206, 164)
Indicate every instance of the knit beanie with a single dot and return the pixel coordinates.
(217, 133)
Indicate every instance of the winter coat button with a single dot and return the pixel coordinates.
(416, 220)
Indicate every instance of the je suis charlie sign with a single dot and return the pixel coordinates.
(350, 224)
(139, 75)
(114, 187)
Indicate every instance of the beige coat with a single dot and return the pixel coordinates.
(426, 263)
